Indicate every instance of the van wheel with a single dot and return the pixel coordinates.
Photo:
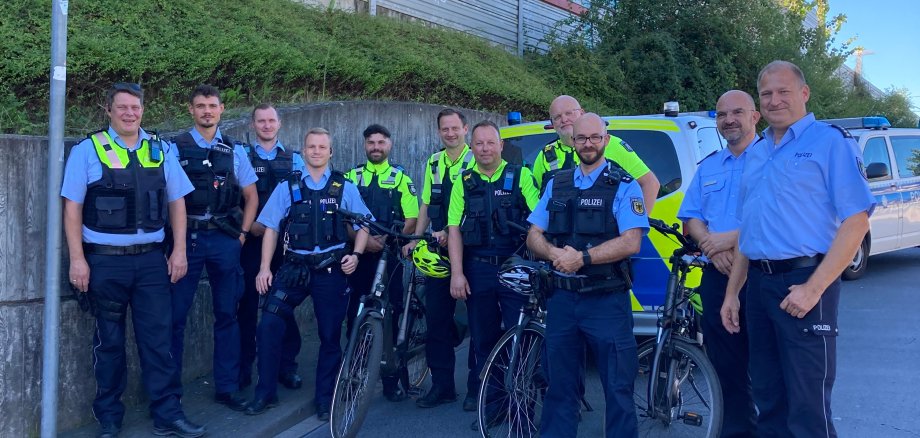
(857, 268)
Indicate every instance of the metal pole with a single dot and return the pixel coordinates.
(520, 28)
(52, 320)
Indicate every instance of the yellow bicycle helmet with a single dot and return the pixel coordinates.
(431, 263)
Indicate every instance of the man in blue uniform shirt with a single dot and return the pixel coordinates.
(804, 210)
(116, 257)
(316, 263)
(219, 170)
(590, 303)
(708, 212)
(272, 163)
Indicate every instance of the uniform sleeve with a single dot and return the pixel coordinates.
(529, 188)
(277, 206)
(245, 174)
(540, 216)
(298, 164)
(351, 201)
(539, 168)
(408, 200)
(75, 172)
(177, 182)
(692, 205)
(457, 204)
(847, 185)
(629, 208)
(618, 151)
(426, 188)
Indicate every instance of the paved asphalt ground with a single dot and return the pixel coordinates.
(877, 393)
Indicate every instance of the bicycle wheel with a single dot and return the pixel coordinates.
(688, 399)
(354, 386)
(513, 386)
(416, 332)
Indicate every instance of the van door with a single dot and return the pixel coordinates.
(885, 223)
(907, 159)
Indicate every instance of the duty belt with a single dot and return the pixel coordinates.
(316, 261)
(200, 224)
(492, 260)
(589, 284)
(93, 248)
(771, 267)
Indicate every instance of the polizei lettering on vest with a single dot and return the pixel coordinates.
(591, 202)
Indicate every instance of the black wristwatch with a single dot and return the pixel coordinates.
(357, 254)
(244, 234)
(585, 257)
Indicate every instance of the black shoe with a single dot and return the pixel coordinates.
(395, 395)
(290, 380)
(181, 428)
(232, 401)
(108, 430)
(322, 411)
(260, 405)
(470, 403)
(436, 397)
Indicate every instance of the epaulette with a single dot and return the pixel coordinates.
(704, 158)
(626, 146)
(615, 173)
(844, 131)
(398, 167)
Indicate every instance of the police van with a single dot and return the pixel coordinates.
(891, 160)
(671, 145)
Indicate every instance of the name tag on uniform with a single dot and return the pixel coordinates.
(709, 183)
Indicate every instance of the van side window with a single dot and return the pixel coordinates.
(656, 149)
(876, 151)
(907, 155)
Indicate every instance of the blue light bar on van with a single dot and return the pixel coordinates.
(712, 114)
(514, 118)
(873, 122)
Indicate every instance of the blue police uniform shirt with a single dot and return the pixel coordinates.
(279, 205)
(712, 196)
(622, 209)
(299, 165)
(83, 168)
(796, 193)
(245, 174)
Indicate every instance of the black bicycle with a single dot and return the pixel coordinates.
(677, 391)
(371, 351)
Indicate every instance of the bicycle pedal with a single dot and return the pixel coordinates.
(692, 418)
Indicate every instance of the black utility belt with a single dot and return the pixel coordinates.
(590, 285)
(93, 248)
(200, 224)
(770, 267)
(492, 260)
(316, 261)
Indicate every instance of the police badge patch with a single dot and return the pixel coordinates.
(637, 206)
(411, 188)
(861, 168)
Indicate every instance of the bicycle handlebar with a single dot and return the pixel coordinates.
(685, 241)
(359, 219)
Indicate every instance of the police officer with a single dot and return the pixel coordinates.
(272, 164)
(118, 186)
(560, 154)
(588, 222)
(441, 170)
(220, 170)
(708, 210)
(488, 207)
(316, 262)
(390, 194)
(804, 209)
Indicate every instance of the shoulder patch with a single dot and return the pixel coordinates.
(412, 190)
(638, 207)
(626, 146)
(843, 131)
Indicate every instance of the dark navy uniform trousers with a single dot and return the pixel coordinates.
(443, 337)
(604, 322)
(141, 282)
(248, 313)
(330, 301)
(729, 355)
(220, 254)
(793, 361)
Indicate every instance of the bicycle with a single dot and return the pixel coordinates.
(371, 349)
(677, 391)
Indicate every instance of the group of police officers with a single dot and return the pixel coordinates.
(778, 216)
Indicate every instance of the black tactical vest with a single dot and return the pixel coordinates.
(552, 161)
(212, 173)
(312, 220)
(131, 198)
(440, 189)
(270, 172)
(488, 208)
(584, 218)
(385, 203)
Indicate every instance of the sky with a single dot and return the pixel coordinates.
(890, 29)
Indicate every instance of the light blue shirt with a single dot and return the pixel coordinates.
(242, 168)
(627, 193)
(279, 205)
(297, 159)
(712, 196)
(83, 168)
(796, 193)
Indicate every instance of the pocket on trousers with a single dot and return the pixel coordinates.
(817, 328)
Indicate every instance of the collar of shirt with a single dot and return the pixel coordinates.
(143, 135)
(270, 154)
(727, 154)
(313, 185)
(201, 142)
(446, 159)
(583, 181)
(378, 169)
(499, 171)
(794, 131)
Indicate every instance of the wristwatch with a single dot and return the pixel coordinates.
(244, 234)
(357, 254)
(585, 257)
